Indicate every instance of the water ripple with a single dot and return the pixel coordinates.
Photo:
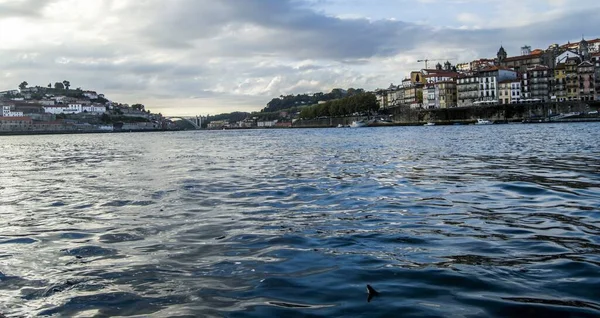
(446, 221)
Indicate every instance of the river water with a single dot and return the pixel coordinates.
(458, 221)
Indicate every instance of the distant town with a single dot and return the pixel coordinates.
(567, 73)
(535, 83)
(59, 109)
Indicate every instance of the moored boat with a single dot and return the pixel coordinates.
(358, 123)
(483, 122)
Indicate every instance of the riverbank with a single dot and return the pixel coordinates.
(80, 132)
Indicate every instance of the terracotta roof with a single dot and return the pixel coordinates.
(524, 57)
(496, 68)
(442, 74)
(577, 43)
(15, 118)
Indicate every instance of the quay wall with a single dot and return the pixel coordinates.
(404, 115)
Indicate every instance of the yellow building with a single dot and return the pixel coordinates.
(572, 78)
(447, 94)
(558, 87)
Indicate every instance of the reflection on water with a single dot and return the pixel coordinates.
(444, 221)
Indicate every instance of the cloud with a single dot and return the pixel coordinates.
(200, 56)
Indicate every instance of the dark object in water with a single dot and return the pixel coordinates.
(372, 293)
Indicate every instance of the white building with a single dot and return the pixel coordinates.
(515, 91)
(266, 123)
(64, 109)
(488, 82)
(431, 96)
(94, 109)
(7, 112)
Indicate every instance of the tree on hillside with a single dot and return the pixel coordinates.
(23, 85)
(49, 85)
(67, 84)
(139, 107)
(59, 85)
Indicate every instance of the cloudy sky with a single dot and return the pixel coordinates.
(190, 57)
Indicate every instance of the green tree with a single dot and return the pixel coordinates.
(105, 118)
(66, 84)
(59, 85)
(23, 85)
(139, 107)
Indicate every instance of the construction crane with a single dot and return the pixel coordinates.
(439, 60)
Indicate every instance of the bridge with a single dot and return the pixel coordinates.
(194, 121)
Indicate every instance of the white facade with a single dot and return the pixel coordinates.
(488, 83)
(564, 56)
(95, 109)
(431, 97)
(266, 123)
(515, 92)
(64, 109)
(488, 88)
(7, 112)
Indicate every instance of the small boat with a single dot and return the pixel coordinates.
(358, 123)
(340, 126)
(429, 124)
(483, 122)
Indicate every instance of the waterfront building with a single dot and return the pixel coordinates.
(447, 93)
(412, 92)
(596, 61)
(431, 96)
(390, 97)
(585, 72)
(504, 92)
(394, 96)
(572, 78)
(467, 88)
(9, 111)
(488, 82)
(558, 84)
(15, 123)
(535, 83)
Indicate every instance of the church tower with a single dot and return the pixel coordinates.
(501, 55)
(584, 49)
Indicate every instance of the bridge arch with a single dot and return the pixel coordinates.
(194, 121)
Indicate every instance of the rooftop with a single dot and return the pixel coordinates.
(15, 118)
(534, 54)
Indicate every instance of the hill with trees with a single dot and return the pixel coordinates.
(360, 103)
(290, 101)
